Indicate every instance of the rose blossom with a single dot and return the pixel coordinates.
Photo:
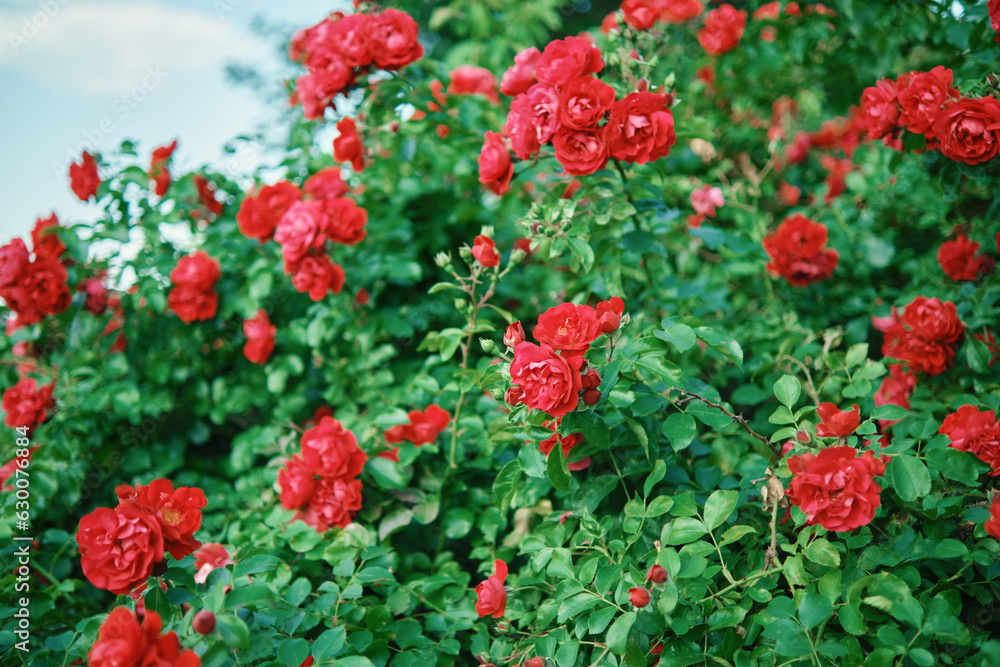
(485, 252)
(261, 210)
(44, 239)
(84, 180)
(302, 228)
(26, 404)
(326, 183)
(969, 130)
(344, 221)
(472, 80)
(333, 503)
(514, 335)
(922, 95)
(423, 427)
(723, 30)
(159, 173)
(347, 147)
(330, 450)
(317, 275)
(551, 383)
(837, 423)
(568, 328)
(706, 200)
(641, 128)
(14, 258)
(958, 260)
(178, 511)
(976, 431)
(297, 482)
(533, 120)
(564, 59)
(609, 314)
(641, 14)
(123, 642)
(566, 443)
(521, 75)
(394, 40)
(495, 166)
(581, 152)
(119, 547)
(835, 487)
(798, 251)
(260, 338)
(491, 596)
(211, 556)
(584, 102)
(679, 11)
(880, 107)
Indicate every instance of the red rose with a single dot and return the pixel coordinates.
(297, 482)
(925, 337)
(836, 179)
(514, 335)
(568, 328)
(584, 102)
(969, 130)
(198, 270)
(581, 152)
(495, 166)
(26, 404)
(333, 503)
(347, 147)
(261, 210)
(835, 422)
(193, 297)
(491, 596)
(206, 196)
(326, 184)
(566, 443)
(158, 168)
(835, 487)
(423, 427)
(798, 252)
(211, 556)
(921, 96)
(83, 177)
(656, 574)
(394, 40)
(679, 11)
(485, 251)
(723, 30)
(260, 338)
(788, 194)
(331, 450)
(551, 383)
(119, 547)
(895, 389)
(992, 525)
(564, 59)
(122, 642)
(976, 431)
(639, 597)
(880, 107)
(642, 14)
(14, 259)
(177, 510)
(40, 291)
(344, 221)
(96, 301)
(472, 80)
(302, 228)
(521, 76)
(44, 239)
(192, 305)
(993, 9)
(317, 275)
(958, 258)
(533, 120)
(933, 319)
(348, 36)
(706, 200)
(641, 128)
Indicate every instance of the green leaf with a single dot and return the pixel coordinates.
(788, 389)
(856, 355)
(679, 335)
(790, 638)
(814, 609)
(724, 345)
(233, 631)
(558, 471)
(659, 472)
(822, 552)
(576, 605)
(505, 485)
(157, 601)
(532, 461)
(684, 530)
(259, 595)
(909, 477)
(330, 643)
(594, 430)
(727, 617)
(719, 506)
(680, 429)
(962, 467)
(618, 632)
(889, 411)
(736, 533)
(292, 652)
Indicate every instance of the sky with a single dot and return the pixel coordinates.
(81, 75)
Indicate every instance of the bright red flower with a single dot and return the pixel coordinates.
(347, 147)
(40, 291)
(193, 297)
(609, 314)
(330, 450)
(495, 166)
(992, 525)
(333, 503)
(119, 547)
(969, 130)
(521, 75)
(159, 171)
(211, 556)
(10, 468)
(798, 251)
(976, 431)
(642, 14)
(723, 30)
(83, 178)
(514, 335)
(206, 195)
(485, 252)
(26, 404)
(679, 11)
(395, 40)
(896, 389)
(325, 184)
(177, 510)
(921, 97)
(262, 209)
(835, 488)
(641, 128)
(344, 221)
(260, 338)
(566, 443)
(564, 59)
(638, 596)
(533, 120)
(192, 305)
(123, 642)
(880, 107)
(584, 102)
(568, 328)
(198, 270)
(45, 240)
(551, 383)
(297, 482)
(958, 258)
(423, 427)
(837, 423)
(14, 259)
(581, 152)
(317, 276)
(993, 9)
(302, 228)
(472, 80)
(491, 596)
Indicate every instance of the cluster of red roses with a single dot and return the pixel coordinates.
(925, 336)
(320, 482)
(123, 642)
(302, 223)
(193, 297)
(35, 289)
(963, 128)
(798, 251)
(120, 548)
(978, 431)
(339, 49)
(644, 14)
(558, 101)
(422, 429)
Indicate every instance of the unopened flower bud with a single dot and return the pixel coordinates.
(639, 597)
(514, 335)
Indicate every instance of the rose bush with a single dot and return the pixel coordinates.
(655, 332)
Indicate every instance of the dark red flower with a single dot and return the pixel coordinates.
(491, 596)
(334, 502)
(958, 258)
(317, 276)
(973, 430)
(159, 171)
(119, 547)
(992, 525)
(45, 240)
(326, 184)
(798, 251)
(262, 209)
(39, 292)
(330, 450)
(123, 642)
(27, 404)
(14, 259)
(835, 487)
(260, 338)
(495, 166)
(83, 178)
(969, 130)
(921, 97)
(178, 511)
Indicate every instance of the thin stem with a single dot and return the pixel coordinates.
(739, 419)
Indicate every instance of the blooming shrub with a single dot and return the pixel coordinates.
(682, 351)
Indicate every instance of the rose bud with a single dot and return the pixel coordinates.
(656, 574)
(514, 395)
(642, 86)
(802, 436)
(786, 448)
(592, 396)
(514, 335)
(639, 597)
(535, 662)
(591, 379)
(203, 622)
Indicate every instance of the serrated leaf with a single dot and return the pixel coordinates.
(618, 632)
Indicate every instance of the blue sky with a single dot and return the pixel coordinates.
(86, 74)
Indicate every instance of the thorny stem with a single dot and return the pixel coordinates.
(739, 419)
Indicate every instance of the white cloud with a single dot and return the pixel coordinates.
(107, 47)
